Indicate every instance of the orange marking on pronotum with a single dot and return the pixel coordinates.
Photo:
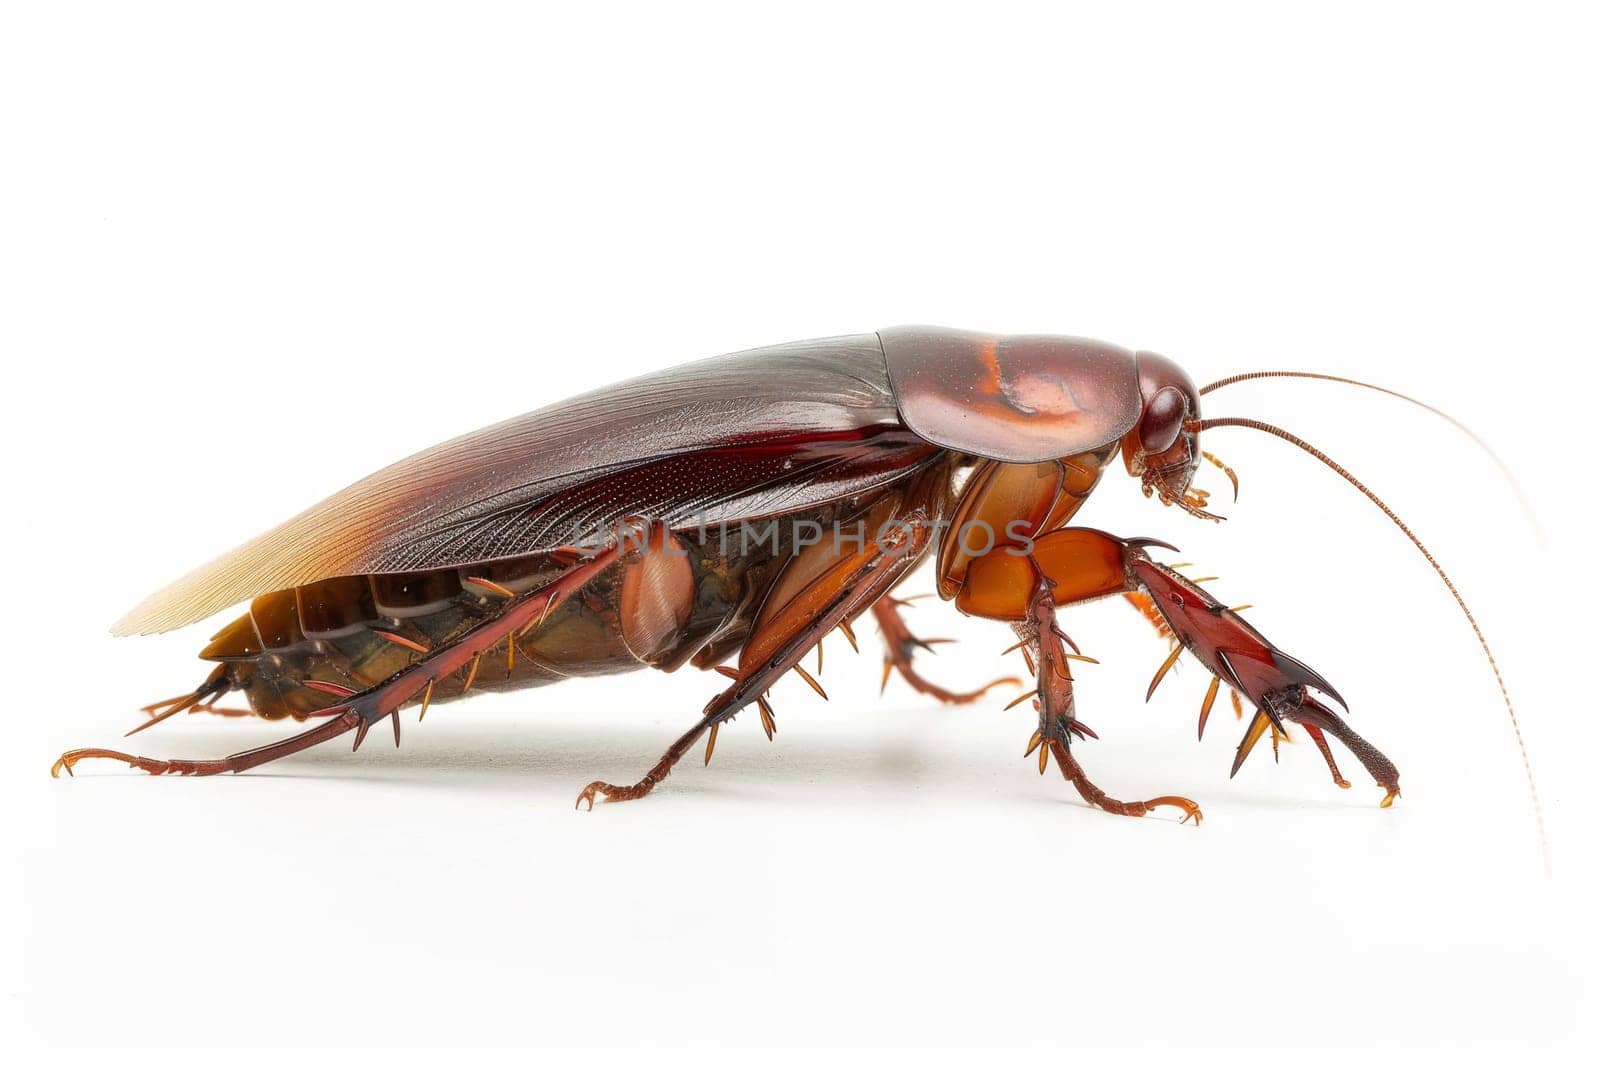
(989, 353)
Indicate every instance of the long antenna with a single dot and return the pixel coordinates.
(1505, 472)
(1483, 642)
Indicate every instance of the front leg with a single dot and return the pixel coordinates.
(1058, 721)
(1279, 685)
(1079, 564)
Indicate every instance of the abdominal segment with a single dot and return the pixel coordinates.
(691, 594)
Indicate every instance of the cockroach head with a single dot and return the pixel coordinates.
(1163, 448)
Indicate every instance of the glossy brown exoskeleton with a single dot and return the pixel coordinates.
(730, 514)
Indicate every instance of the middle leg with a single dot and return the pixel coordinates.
(788, 628)
(900, 646)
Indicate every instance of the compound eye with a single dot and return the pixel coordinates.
(1163, 419)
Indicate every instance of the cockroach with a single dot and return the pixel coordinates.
(679, 518)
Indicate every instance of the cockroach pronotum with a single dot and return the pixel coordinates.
(731, 513)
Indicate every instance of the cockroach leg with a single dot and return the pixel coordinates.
(1058, 722)
(1317, 718)
(900, 645)
(662, 768)
(1279, 685)
(359, 711)
(1074, 564)
(239, 761)
(779, 643)
(1072, 772)
(1327, 754)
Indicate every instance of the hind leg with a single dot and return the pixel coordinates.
(360, 710)
(348, 719)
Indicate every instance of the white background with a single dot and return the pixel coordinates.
(250, 256)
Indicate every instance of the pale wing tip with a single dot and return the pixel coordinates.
(180, 604)
(148, 617)
(139, 623)
(304, 549)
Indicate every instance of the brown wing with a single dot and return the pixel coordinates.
(754, 433)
